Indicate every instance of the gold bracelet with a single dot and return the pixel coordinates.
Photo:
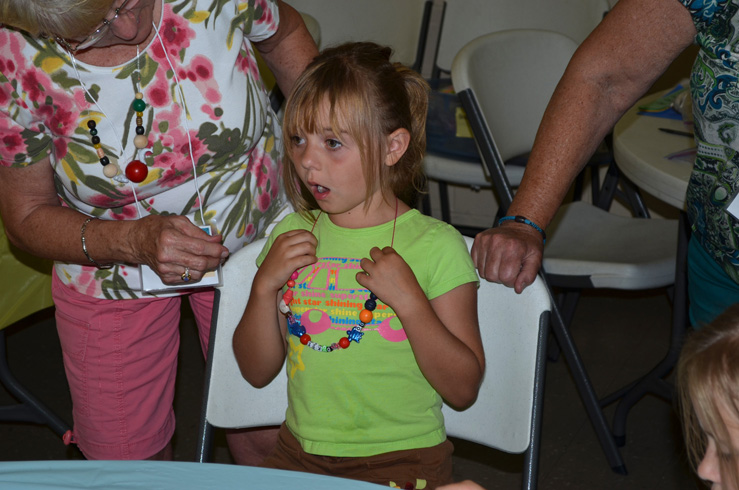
(84, 246)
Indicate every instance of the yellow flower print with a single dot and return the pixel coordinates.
(198, 16)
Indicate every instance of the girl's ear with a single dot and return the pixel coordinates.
(397, 144)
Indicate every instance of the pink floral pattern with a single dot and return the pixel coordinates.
(206, 109)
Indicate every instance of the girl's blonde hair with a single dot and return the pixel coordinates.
(369, 97)
(708, 381)
(64, 18)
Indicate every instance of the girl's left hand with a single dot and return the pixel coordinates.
(388, 276)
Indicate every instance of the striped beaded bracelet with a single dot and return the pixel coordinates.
(526, 221)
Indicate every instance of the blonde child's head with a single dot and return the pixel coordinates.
(708, 386)
(369, 98)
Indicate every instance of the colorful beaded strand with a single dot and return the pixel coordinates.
(355, 334)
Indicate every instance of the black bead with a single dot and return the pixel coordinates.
(95, 140)
(91, 124)
(370, 304)
(139, 130)
(105, 160)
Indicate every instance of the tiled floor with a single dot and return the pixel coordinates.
(619, 335)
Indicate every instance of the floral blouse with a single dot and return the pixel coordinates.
(206, 109)
(714, 183)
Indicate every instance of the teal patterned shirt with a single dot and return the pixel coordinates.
(715, 93)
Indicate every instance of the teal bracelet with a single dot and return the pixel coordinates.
(526, 221)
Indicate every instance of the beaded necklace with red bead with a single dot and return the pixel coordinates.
(354, 335)
(136, 170)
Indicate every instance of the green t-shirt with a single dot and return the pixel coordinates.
(372, 397)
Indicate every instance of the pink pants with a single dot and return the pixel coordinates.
(120, 358)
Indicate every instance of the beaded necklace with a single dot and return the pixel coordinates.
(354, 335)
(136, 170)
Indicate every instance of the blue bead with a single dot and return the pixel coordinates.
(370, 304)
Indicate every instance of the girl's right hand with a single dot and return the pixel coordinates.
(290, 251)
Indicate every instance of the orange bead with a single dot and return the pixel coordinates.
(290, 283)
(365, 316)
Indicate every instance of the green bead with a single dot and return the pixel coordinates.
(139, 105)
(93, 131)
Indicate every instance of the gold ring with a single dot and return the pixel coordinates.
(186, 275)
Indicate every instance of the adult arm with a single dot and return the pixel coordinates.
(608, 73)
(289, 50)
(36, 222)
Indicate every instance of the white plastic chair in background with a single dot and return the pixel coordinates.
(586, 247)
(506, 416)
(463, 21)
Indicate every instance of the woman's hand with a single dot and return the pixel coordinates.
(289, 252)
(510, 254)
(172, 245)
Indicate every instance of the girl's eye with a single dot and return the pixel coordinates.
(296, 140)
(333, 144)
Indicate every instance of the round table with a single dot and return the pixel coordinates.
(640, 148)
(161, 475)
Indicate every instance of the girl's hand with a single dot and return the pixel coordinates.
(289, 252)
(389, 277)
(172, 244)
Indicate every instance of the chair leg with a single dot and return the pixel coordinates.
(587, 394)
(446, 215)
(30, 409)
(653, 382)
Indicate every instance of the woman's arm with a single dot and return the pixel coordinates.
(36, 222)
(259, 341)
(444, 333)
(289, 50)
(613, 67)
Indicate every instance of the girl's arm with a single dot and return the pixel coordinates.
(259, 340)
(444, 332)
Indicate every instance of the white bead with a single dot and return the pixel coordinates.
(140, 141)
(110, 170)
(284, 309)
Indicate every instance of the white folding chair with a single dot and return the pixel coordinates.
(463, 21)
(400, 24)
(587, 246)
(506, 415)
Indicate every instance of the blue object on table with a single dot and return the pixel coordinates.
(663, 107)
(161, 475)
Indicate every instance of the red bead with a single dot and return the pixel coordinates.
(291, 283)
(305, 338)
(288, 296)
(344, 343)
(365, 316)
(136, 171)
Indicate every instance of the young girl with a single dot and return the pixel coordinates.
(374, 304)
(708, 383)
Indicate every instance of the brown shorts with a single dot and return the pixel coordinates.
(398, 468)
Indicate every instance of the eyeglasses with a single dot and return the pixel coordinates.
(95, 37)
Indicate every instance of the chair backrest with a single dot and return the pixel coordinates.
(465, 20)
(401, 24)
(504, 81)
(506, 415)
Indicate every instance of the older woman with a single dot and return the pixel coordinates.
(137, 139)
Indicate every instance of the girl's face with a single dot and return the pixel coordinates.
(330, 166)
(709, 468)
